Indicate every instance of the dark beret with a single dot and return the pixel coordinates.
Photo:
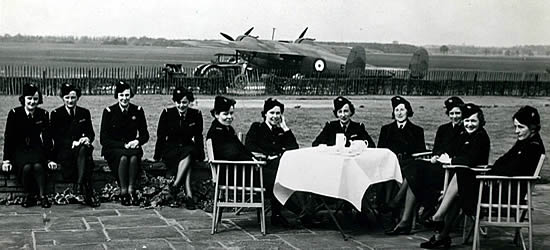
(339, 102)
(66, 88)
(396, 100)
(121, 86)
(181, 92)
(221, 104)
(452, 102)
(30, 89)
(469, 109)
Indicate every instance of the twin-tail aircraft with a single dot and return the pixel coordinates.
(303, 57)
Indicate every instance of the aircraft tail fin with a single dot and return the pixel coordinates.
(357, 60)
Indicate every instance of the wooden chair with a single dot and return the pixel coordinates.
(230, 193)
(466, 230)
(510, 209)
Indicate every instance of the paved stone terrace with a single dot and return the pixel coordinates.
(112, 226)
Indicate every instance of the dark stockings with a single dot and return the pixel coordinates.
(184, 171)
(128, 170)
(34, 172)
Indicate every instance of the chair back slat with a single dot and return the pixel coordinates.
(517, 193)
(209, 150)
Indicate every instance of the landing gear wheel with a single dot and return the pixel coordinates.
(240, 81)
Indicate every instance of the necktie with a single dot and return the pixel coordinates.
(125, 112)
(30, 116)
(71, 112)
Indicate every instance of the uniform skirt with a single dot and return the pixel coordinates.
(172, 155)
(113, 155)
(67, 157)
(29, 155)
(425, 180)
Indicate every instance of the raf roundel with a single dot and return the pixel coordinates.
(319, 65)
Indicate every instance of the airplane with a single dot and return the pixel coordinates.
(302, 57)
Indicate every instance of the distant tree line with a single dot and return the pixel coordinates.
(395, 47)
(524, 50)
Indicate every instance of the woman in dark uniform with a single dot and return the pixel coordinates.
(343, 111)
(226, 144)
(270, 139)
(180, 141)
(123, 132)
(28, 145)
(403, 138)
(472, 150)
(73, 134)
(425, 179)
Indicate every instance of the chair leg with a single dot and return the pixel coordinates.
(214, 218)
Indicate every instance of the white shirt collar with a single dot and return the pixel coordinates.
(122, 109)
(269, 125)
(69, 110)
(401, 124)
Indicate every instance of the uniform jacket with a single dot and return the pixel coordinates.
(226, 144)
(404, 142)
(118, 129)
(22, 132)
(446, 137)
(65, 129)
(521, 160)
(355, 131)
(260, 138)
(174, 130)
(472, 149)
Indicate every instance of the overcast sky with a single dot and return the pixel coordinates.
(422, 22)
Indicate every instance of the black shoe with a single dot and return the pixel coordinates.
(279, 221)
(433, 243)
(92, 201)
(125, 199)
(134, 200)
(309, 221)
(436, 225)
(28, 201)
(406, 230)
(190, 204)
(45, 202)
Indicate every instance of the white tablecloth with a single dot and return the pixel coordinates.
(339, 175)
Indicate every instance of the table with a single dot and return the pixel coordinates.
(334, 173)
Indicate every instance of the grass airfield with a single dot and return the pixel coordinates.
(307, 115)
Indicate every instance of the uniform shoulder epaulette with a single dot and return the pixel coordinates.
(108, 109)
(139, 108)
(13, 110)
(53, 111)
(165, 110)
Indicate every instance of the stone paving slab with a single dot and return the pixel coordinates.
(144, 232)
(16, 240)
(21, 222)
(69, 237)
(131, 221)
(113, 226)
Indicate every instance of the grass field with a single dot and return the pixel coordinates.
(107, 56)
(307, 115)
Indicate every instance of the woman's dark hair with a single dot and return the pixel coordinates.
(529, 117)
(120, 87)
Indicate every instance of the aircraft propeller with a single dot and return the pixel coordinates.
(228, 37)
(303, 33)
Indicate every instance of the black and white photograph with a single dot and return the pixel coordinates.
(274, 124)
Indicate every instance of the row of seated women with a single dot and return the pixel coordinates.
(35, 141)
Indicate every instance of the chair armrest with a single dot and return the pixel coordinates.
(497, 177)
(422, 154)
(259, 155)
(238, 162)
(479, 168)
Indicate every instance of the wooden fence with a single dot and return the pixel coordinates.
(153, 80)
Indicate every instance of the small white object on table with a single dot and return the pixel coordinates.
(343, 173)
